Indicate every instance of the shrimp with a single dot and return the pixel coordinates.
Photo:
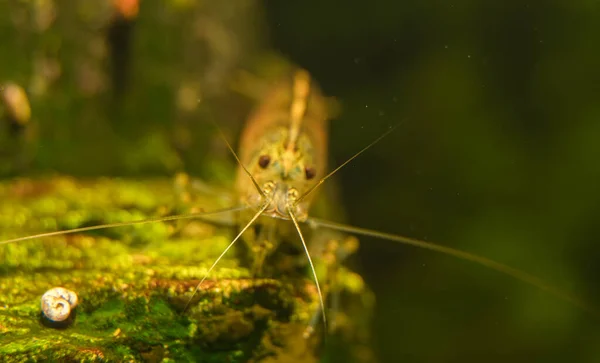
(283, 152)
(281, 165)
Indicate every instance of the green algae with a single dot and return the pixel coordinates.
(133, 282)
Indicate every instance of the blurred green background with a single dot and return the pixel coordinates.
(496, 152)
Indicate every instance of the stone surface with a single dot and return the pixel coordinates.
(133, 282)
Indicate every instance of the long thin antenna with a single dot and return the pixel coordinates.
(222, 135)
(123, 224)
(312, 266)
(344, 164)
(484, 261)
(223, 254)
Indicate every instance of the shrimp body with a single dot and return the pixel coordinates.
(284, 147)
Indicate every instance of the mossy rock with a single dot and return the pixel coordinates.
(133, 282)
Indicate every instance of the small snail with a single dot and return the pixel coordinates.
(57, 304)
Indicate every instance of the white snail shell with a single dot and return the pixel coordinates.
(57, 303)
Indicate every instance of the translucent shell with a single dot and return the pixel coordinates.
(57, 303)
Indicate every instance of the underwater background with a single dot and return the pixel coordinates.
(496, 150)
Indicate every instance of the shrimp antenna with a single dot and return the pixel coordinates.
(311, 189)
(484, 261)
(223, 254)
(222, 135)
(123, 224)
(312, 266)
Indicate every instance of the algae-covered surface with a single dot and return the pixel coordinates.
(133, 282)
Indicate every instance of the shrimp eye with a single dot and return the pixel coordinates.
(264, 160)
(310, 172)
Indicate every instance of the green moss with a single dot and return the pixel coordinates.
(133, 282)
